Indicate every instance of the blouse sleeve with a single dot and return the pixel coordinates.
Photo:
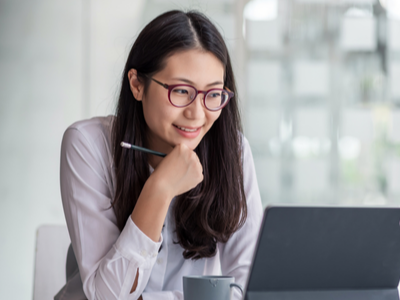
(107, 258)
(237, 253)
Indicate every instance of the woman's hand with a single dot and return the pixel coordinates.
(179, 172)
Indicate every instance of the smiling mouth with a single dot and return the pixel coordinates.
(187, 129)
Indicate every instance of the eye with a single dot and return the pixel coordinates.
(180, 91)
(215, 95)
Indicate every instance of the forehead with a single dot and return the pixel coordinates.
(198, 66)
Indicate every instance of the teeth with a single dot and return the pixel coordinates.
(185, 129)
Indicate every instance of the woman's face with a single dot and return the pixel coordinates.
(198, 68)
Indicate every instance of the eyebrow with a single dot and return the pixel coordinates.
(192, 83)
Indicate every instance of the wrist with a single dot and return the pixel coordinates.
(159, 188)
(151, 209)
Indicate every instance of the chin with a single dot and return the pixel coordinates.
(192, 144)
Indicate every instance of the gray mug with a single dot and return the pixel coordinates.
(208, 287)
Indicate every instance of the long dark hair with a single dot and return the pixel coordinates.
(216, 208)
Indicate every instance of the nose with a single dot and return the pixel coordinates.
(196, 109)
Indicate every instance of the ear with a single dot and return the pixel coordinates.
(137, 87)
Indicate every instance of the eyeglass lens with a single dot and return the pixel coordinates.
(183, 95)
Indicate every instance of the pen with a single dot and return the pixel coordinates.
(129, 146)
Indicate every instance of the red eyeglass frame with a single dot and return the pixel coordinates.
(171, 87)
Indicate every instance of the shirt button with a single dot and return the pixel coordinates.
(143, 253)
(160, 261)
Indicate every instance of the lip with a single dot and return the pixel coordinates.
(186, 134)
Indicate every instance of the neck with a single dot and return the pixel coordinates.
(159, 146)
(154, 160)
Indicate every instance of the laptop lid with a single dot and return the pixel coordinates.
(326, 253)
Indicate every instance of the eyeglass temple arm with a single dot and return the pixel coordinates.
(229, 91)
(160, 83)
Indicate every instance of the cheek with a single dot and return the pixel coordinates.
(212, 117)
(157, 114)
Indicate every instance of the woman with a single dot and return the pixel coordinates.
(139, 222)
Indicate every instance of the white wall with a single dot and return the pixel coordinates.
(46, 83)
(60, 61)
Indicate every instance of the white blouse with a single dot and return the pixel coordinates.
(107, 258)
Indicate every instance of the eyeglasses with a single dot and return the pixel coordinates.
(182, 95)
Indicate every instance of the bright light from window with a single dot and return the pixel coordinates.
(355, 12)
(349, 148)
(304, 146)
(392, 7)
(261, 10)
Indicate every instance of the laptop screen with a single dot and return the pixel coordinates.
(326, 249)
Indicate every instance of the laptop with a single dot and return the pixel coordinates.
(326, 253)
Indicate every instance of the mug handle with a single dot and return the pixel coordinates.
(237, 286)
